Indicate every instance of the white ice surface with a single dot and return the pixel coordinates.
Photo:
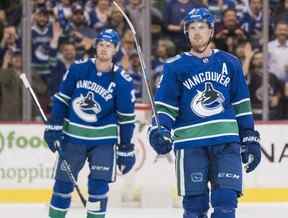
(275, 210)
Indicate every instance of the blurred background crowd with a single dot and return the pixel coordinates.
(65, 30)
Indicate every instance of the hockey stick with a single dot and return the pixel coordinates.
(142, 62)
(57, 145)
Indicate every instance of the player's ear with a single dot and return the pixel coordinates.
(114, 50)
(212, 33)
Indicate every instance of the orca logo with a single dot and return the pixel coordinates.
(208, 102)
(86, 107)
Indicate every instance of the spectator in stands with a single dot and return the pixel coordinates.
(278, 58)
(135, 10)
(9, 41)
(121, 3)
(174, 13)
(252, 22)
(44, 3)
(79, 32)
(241, 7)
(278, 52)
(79, 22)
(3, 22)
(218, 6)
(13, 11)
(45, 38)
(63, 13)
(117, 22)
(42, 34)
(228, 32)
(66, 58)
(165, 49)
(122, 56)
(281, 11)
(10, 87)
(134, 70)
(244, 52)
(99, 14)
(256, 89)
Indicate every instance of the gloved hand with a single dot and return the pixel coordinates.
(53, 136)
(125, 157)
(161, 140)
(250, 149)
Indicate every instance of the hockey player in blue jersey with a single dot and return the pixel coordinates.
(204, 112)
(92, 112)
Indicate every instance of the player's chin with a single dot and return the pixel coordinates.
(105, 57)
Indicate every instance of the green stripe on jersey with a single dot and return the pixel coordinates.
(243, 107)
(161, 108)
(88, 132)
(123, 118)
(206, 130)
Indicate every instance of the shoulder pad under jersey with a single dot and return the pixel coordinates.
(175, 58)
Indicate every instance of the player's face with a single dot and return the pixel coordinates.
(105, 51)
(199, 35)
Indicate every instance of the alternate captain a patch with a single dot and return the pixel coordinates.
(86, 107)
(208, 102)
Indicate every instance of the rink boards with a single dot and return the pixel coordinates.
(26, 168)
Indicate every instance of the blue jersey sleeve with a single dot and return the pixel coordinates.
(61, 100)
(166, 98)
(125, 99)
(240, 99)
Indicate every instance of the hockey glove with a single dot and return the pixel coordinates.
(250, 149)
(161, 140)
(53, 136)
(125, 157)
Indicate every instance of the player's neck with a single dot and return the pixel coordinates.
(104, 66)
(206, 53)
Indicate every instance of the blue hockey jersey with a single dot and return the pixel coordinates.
(204, 101)
(43, 55)
(95, 107)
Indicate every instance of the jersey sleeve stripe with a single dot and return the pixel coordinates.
(167, 114)
(171, 112)
(125, 114)
(66, 97)
(240, 101)
(166, 105)
(61, 99)
(124, 118)
(127, 122)
(242, 107)
(244, 114)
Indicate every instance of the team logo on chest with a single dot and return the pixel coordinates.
(86, 107)
(208, 102)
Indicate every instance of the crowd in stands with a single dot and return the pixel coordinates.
(65, 30)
